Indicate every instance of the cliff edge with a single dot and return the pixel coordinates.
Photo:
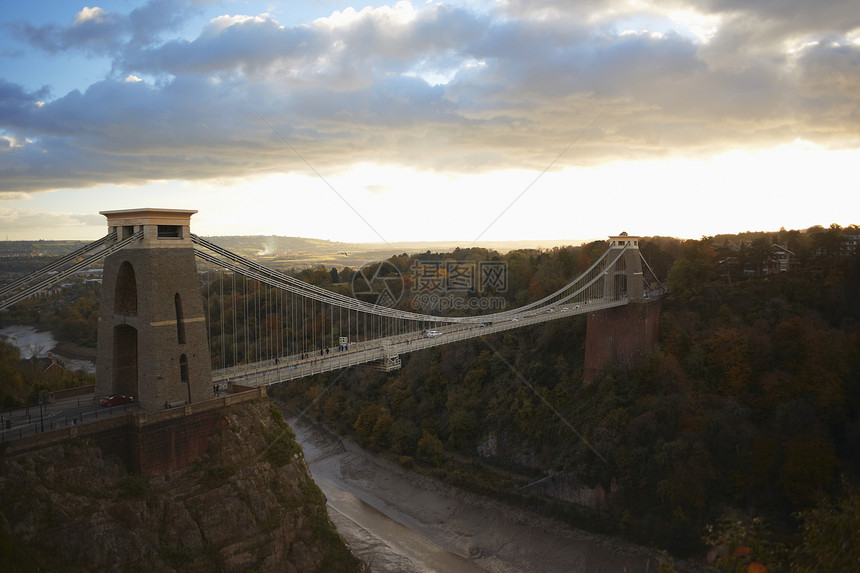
(247, 504)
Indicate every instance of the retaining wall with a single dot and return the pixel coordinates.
(149, 443)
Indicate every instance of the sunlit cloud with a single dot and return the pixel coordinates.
(86, 14)
(16, 197)
(450, 100)
(7, 143)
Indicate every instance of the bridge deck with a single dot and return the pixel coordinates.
(379, 350)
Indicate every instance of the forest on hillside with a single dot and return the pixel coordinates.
(742, 429)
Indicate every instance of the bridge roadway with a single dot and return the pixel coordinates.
(62, 413)
(384, 350)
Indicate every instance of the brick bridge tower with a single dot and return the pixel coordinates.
(152, 331)
(621, 335)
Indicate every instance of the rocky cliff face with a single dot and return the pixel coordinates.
(248, 504)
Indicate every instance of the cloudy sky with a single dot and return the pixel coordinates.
(450, 120)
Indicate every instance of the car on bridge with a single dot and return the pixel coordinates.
(116, 400)
(433, 333)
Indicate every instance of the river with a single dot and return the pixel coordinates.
(31, 342)
(398, 521)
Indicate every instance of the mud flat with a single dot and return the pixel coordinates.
(398, 521)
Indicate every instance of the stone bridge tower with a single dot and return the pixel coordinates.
(152, 331)
(626, 277)
(623, 334)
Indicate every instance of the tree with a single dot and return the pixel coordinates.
(365, 422)
(738, 543)
(12, 390)
(380, 434)
(694, 268)
(430, 449)
(830, 536)
(808, 470)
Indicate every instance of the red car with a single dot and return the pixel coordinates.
(116, 400)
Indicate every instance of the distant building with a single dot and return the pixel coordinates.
(48, 365)
(729, 265)
(47, 292)
(53, 366)
(780, 260)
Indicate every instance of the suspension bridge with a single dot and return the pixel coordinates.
(167, 341)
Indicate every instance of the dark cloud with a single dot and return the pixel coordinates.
(148, 22)
(247, 47)
(16, 104)
(446, 89)
(97, 36)
(784, 17)
(98, 32)
(789, 17)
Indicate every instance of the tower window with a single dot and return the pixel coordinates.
(180, 324)
(183, 368)
(169, 232)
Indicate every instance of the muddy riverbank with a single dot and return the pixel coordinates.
(396, 520)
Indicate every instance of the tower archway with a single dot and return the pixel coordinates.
(125, 295)
(125, 360)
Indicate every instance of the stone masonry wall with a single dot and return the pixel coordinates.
(620, 336)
